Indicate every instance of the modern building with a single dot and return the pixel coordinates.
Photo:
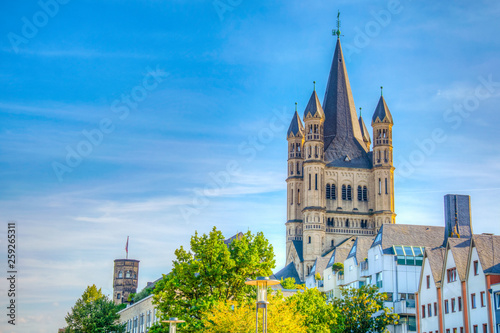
(337, 187)
(140, 316)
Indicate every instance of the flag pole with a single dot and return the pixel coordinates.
(126, 248)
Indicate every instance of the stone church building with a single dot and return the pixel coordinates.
(337, 185)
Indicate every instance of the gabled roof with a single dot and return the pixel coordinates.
(296, 128)
(313, 108)
(382, 113)
(435, 257)
(408, 234)
(288, 271)
(359, 249)
(460, 250)
(231, 239)
(488, 249)
(364, 131)
(342, 134)
(340, 252)
(298, 248)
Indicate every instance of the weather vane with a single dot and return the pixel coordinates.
(336, 32)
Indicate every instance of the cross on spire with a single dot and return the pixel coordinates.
(295, 106)
(360, 112)
(314, 83)
(381, 91)
(336, 32)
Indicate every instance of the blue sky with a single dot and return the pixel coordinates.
(204, 144)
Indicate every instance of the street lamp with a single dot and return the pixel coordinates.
(173, 324)
(262, 283)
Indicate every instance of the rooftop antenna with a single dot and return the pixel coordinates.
(336, 32)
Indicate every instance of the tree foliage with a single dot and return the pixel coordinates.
(363, 310)
(235, 317)
(288, 283)
(95, 313)
(210, 272)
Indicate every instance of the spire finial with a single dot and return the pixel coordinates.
(381, 91)
(314, 82)
(295, 106)
(360, 112)
(336, 32)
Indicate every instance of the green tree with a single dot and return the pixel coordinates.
(288, 283)
(363, 310)
(319, 317)
(93, 313)
(211, 272)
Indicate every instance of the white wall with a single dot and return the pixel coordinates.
(451, 290)
(475, 285)
(428, 296)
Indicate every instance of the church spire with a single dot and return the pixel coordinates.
(296, 128)
(341, 121)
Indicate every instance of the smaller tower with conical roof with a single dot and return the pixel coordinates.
(295, 138)
(383, 164)
(364, 132)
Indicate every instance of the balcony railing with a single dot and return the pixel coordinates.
(405, 307)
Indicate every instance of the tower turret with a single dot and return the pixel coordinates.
(383, 164)
(295, 138)
(364, 132)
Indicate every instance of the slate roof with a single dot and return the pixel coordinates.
(342, 133)
(488, 249)
(296, 126)
(362, 244)
(364, 131)
(457, 215)
(298, 248)
(313, 108)
(382, 113)
(230, 239)
(460, 250)
(435, 257)
(341, 252)
(321, 264)
(408, 234)
(287, 272)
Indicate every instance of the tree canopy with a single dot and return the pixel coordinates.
(210, 272)
(95, 313)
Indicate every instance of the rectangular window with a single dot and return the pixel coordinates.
(428, 279)
(316, 182)
(474, 329)
(461, 330)
(379, 186)
(435, 308)
(483, 301)
(497, 302)
(485, 328)
(446, 307)
(429, 310)
(473, 300)
(476, 267)
(453, 308)
(309, 182)
(454, 330)
(447, 330)
(451, 274)
(459, 303)
(423, 311)
(386, 191)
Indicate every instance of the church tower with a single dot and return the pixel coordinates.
(336, 187)
(125, 278)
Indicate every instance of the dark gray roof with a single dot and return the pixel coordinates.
(460, 250)
(364, 131)
(313, 108)
(298, 248)
(296, 126)
(288, 271)
(342, 133)
(341, 251)
(362, 244)
(457, 216)
(435, 257)
(408, 234)
(488, 249)
(230, 239)
(321, 264)
(382, 113)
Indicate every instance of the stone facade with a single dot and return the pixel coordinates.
(125, 278)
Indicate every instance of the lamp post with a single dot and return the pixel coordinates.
(173, 324)
(262, 283)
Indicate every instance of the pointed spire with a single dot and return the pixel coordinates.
(341, 119)
(364, 131)
(382, 113)
(313, 108)
(296, 128)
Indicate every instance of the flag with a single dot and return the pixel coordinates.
(126, 246)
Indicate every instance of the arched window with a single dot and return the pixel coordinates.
(347, 223)
(386, 191)
(360, 193)
(379, 186)
(298, 170)
(344, 192)
(120, 274)
(291, 196)
(328, 196)
(290, 231)
(309, 240)
(365, 193)
(128, 274)
(309, 182)
(332, 243)
(298, 196)
(349, 192)
(316, 182)
(333, 192)
(291, 168)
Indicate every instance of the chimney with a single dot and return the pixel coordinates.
(457, 217)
